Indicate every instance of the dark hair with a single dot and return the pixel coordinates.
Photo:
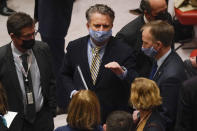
(17, 22)
(3, 101)
(161, 31)
(102, 9)
(119, 121)
(145, 6)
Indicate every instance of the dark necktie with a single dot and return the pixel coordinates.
(30, 105)
(154, 69)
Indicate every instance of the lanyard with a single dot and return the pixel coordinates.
(29, 61)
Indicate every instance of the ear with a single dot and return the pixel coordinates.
(12, 36)
(146, 15)
(104, 127)
(159, 45)
(87, 25)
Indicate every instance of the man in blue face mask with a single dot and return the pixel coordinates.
(107, 64)
(168, 68)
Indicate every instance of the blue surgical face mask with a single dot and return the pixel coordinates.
(149, 51)
(100, 36)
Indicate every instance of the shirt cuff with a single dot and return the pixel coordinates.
(124, 74)
(71, 94)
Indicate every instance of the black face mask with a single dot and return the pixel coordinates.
(28, 44)
(162, 16)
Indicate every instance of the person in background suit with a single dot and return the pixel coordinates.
(29, 82)
(119, 121)
(107, 64)
(152, 10)
(54, 18)
(168, 69)
(139, 11)
(4, 10)
(132, 34)
(83, 113)
(187, 115)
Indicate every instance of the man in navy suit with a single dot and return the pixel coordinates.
(54, 18)
(114, 71)
(168, 69)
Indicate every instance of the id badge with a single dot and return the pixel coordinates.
(30, 98)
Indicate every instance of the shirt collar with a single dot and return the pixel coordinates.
(161, 60)
(145, 20)
(18, 53)
(93, 45)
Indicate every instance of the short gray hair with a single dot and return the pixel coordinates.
(102, 9)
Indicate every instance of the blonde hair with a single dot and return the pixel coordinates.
(84, 111)
(145, 94)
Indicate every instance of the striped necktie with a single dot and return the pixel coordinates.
(95, 63)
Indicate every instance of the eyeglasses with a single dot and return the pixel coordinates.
(29, 35)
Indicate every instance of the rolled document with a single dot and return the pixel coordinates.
(82, 78)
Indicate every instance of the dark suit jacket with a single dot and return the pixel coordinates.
(169, 78)
(131, 33)
(53, 16)
(187, 109)
(9, 78)
(110, 89)
(155, 122)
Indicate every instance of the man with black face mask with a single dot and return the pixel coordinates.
(26, 74)
(107, 64)
(132, 34)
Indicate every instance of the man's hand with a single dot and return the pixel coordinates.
(115, 67)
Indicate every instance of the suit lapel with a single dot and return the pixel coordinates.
(38, 55)
(84, 65)
(161, 68)
(105, 60)
(12, 72)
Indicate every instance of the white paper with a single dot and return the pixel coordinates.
(9, 117)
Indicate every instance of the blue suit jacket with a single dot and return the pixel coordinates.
(169, 78)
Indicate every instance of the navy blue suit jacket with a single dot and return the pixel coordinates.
(169, 78)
